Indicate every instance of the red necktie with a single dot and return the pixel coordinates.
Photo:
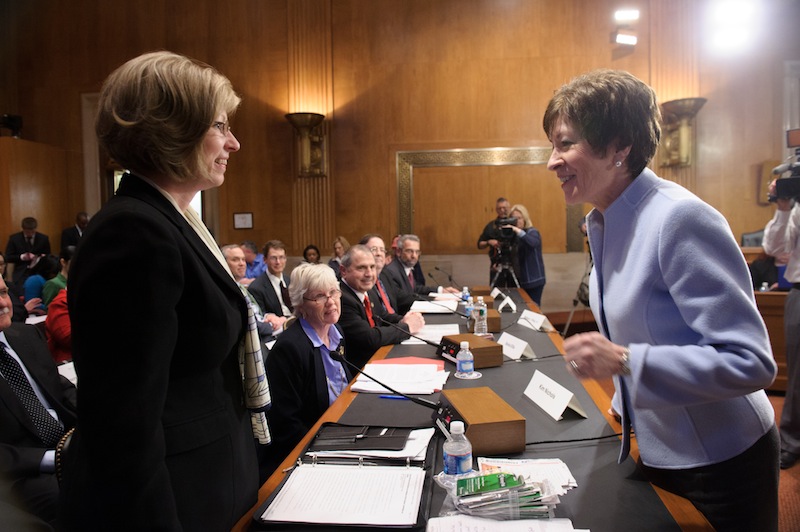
(385, 298)
(411, 278)
(368, 307)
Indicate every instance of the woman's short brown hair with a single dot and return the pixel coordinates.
(610, 109)
(155, 110)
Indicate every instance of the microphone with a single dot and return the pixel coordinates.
(445, 349)
(338, 356)
(449, 277)
(420, 298)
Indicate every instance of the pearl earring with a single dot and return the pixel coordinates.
(618, 164)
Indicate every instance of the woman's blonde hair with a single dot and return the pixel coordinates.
(155, 110)
(525, 216)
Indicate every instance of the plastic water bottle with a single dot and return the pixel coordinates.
(465, 362)
(469, 306)
(481, 326)
(764, 287)
(457, 451)
(465, 293)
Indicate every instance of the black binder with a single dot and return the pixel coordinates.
(333, 437)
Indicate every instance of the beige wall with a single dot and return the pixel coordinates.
(394, 75)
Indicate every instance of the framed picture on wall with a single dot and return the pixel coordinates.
(243, 220)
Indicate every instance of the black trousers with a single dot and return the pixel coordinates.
(740, 494)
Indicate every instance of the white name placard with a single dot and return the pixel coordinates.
(532, 320)
(514, 347)
(551, 397)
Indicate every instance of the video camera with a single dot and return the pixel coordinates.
(506, 233)
(789, 187)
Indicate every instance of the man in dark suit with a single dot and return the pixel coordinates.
(72, 235)
(271, 288)
(388, 296)
(363, 318)
(27, 458)
(406, 276)
(24, 247)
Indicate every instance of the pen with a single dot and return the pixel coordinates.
(394, 397)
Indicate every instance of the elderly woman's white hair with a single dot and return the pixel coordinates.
(310, 277)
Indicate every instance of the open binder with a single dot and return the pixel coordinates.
(342, 492)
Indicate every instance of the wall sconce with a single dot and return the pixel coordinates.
(624, 33)
(310, 151)
(626, 37)
(678, 132)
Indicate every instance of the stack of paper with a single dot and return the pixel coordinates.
(435, 307)
(415, 449)
(550, 471)
(416, 379)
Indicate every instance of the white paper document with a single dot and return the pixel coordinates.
(434, 307)
(417, 379)
(349, 495)
(433, 333)
(67, 370)
(465, 523)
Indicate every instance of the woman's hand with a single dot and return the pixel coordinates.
(593, 356)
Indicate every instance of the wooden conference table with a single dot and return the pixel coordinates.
(609, 496)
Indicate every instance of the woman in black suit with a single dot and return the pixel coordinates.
(163, 440)
(304, 378)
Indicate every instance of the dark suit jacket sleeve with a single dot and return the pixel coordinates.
(21, 451)
(363, 340)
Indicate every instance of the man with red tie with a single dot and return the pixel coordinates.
(393, 302)
(366, 323)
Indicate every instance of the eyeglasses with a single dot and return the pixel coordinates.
(276, 259)
(323, 298)
(222, 127)
(376, 249)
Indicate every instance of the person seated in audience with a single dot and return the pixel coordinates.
(340, 245)
(24, 247)
(59, 282)
(270, 289)
(30, 388)
(42, 271)
(234, 256)
(304, 378)
(405, 273)
(58, 328)
(72, 235)
(21, 309)
(366, 324)
(387, 295)
(311, 254)
(255, 262)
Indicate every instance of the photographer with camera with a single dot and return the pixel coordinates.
(491, 237)
(782, 235)
(525, 248)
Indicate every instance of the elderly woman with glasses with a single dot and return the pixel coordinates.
(304, 377)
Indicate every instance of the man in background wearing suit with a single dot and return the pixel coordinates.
(25, 247)
(27, 447)
(270, 289)
(363, 318)
(391, 300)
(72, 235)
(405, 274)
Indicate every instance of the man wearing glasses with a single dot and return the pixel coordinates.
(271, 288)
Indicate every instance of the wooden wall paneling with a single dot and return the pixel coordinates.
(34, 176)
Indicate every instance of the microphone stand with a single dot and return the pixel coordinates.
(339, 357)
(449, 277)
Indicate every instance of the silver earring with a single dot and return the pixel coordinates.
(618, 164)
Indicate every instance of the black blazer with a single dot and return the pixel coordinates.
(363, 340)
(17, 245)
(70, 237)
(163, 440)
(21, 450)
(265, 295)
(395, 272)
(299, 391)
